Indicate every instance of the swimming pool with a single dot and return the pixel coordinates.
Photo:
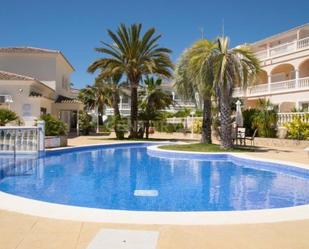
(128, 177)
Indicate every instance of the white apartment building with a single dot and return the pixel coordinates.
(284, 78)
(125, 101)
(35, 81)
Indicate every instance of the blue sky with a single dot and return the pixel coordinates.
(76, 27)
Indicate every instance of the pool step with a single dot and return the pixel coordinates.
(124, 239)
(146, 192)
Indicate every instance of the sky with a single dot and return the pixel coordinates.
(77, 27)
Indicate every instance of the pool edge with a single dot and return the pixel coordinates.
(23, 205)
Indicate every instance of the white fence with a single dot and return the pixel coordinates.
(22, 139)
(283, 118)
(186, 122)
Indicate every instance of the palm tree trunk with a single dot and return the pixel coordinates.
(101, 113)
(134, 111)
(207, 121)
(226, 124)
(147, 125)
(115, 102)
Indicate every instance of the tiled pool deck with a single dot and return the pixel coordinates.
(18, 231)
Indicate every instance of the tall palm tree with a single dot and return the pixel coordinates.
(133, 55)
(231, 67)
(153, 100)
(194, 74)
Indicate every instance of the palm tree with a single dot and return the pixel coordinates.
(153, 100)
(231, 67)
(193, 74)
(133, 55)
(113, 88)
(94, 98)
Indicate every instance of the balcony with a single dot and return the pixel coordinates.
(124, 109)
(273, 88)
(283, 49)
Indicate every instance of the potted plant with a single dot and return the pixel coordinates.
(55, 131)
(85, 124)
(7, 116)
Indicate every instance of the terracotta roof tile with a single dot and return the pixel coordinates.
(13, 76)
(32, 50)
(27, 50)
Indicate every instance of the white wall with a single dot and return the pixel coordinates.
(48, 68)
(63, 73)
(27, 108)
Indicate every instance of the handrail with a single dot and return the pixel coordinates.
(263, 54)
(22, 138)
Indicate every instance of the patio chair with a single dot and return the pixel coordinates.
(241, 135)
(251, 138)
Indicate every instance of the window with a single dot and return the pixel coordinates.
(304, 107)
(43, 110)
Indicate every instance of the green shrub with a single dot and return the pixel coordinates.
(182, 113)
(169, 128)
(7, 116)
(248, 116)
(104, 128)
(265, 119)
(85, 124)
(53, 126)
(298, 129)
(197, 126)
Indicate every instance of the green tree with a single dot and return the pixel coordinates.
(153, 100)
(133, 55)
(7, 116)
(231, 67)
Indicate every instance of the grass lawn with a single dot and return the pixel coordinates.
(198, 147)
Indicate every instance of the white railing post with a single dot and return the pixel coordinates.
(269, 82)
(41, 128)
(296, 78)
(268, 50)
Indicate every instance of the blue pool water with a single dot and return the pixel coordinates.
(126, 177)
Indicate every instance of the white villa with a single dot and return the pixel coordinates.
(35, 81)
(284, 78)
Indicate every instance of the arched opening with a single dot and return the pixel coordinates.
(286, 106)
(283, 72)
(261, 78)
(304, 69)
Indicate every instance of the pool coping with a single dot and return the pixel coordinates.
(23, 205)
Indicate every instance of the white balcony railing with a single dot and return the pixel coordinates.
(258, 89)
(303, 43)
(282, 86)
(286, 117)
(275, 87)
(283, 49)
